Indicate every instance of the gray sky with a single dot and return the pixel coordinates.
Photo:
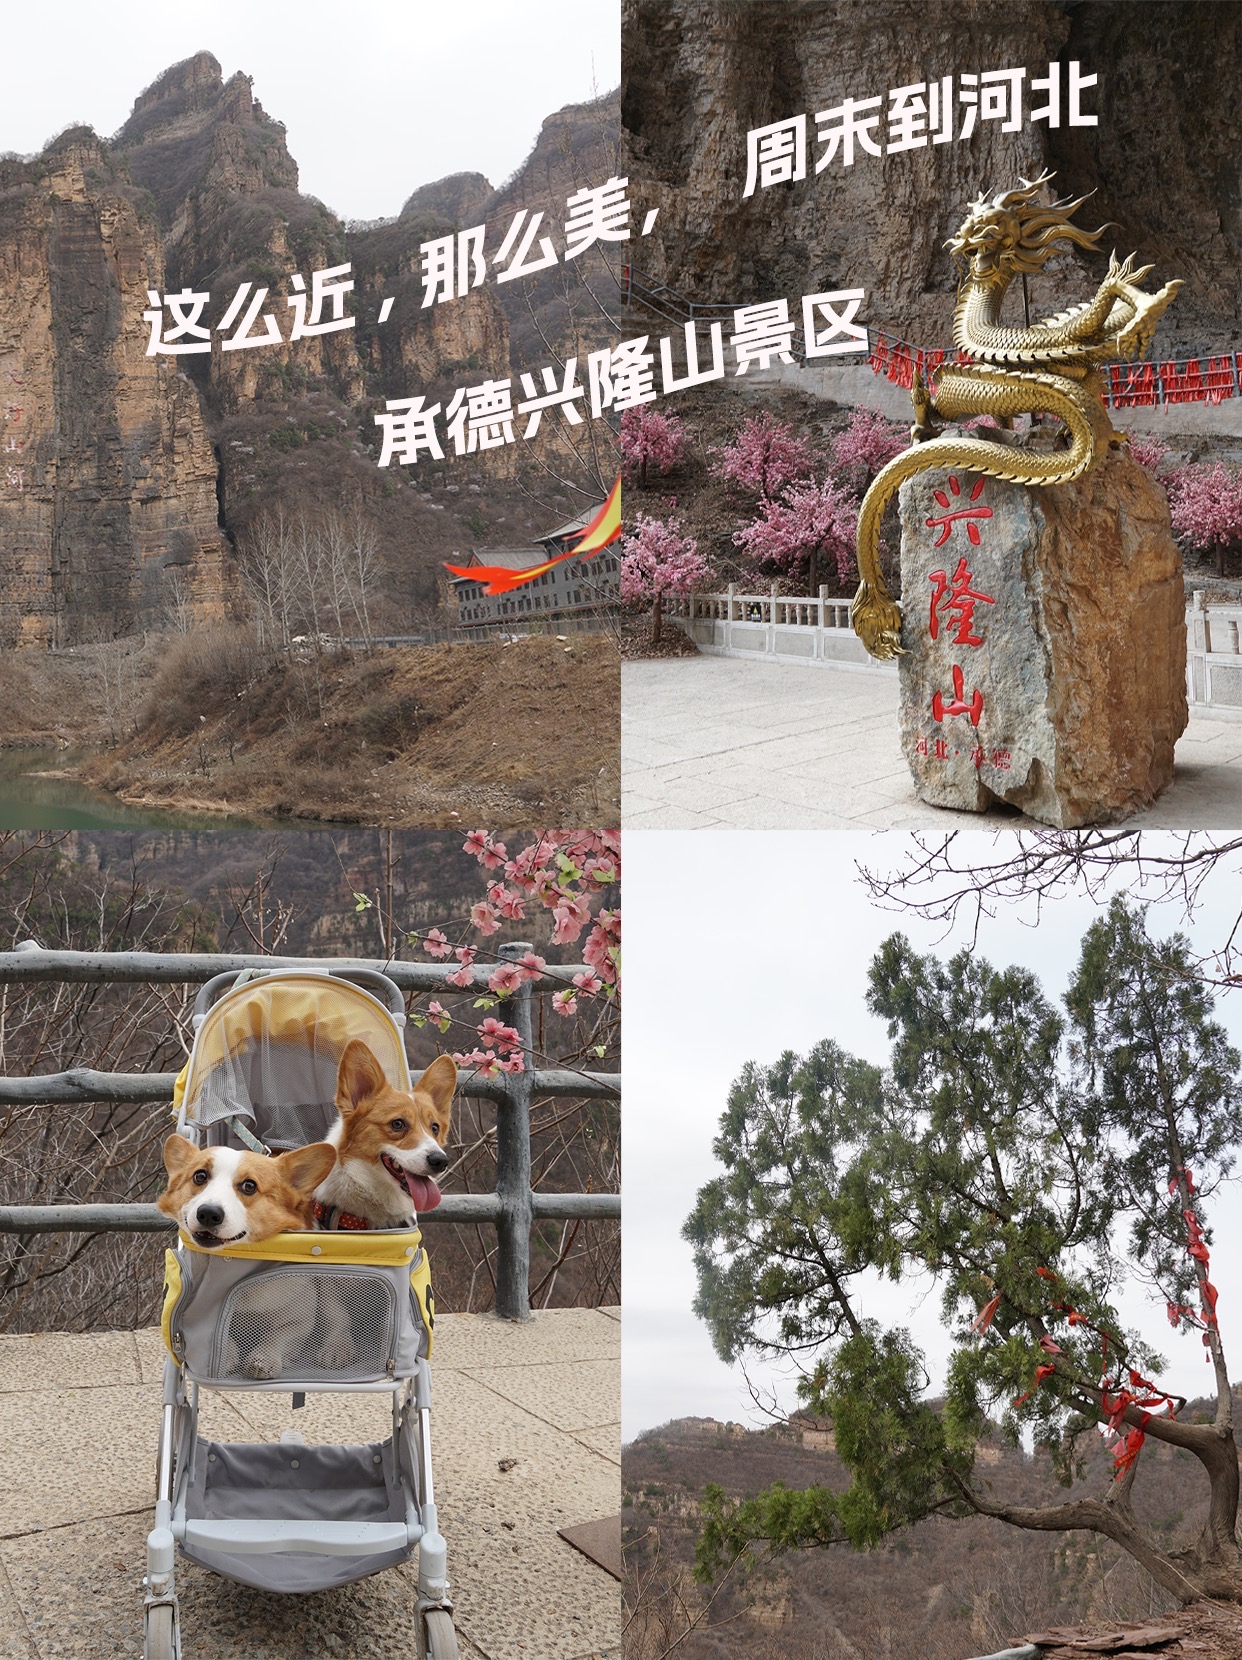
(740, 945)
(377, 99)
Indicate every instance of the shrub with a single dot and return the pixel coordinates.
(809, 520)
(1148, 451)
(764, 456)
(202, 673)
(656, 559)
(651, 441)
(868, 443)
(1206, 508)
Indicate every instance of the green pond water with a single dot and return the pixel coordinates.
(30, 799)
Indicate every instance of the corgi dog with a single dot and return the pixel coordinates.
(389, 1143)
(221, 1196)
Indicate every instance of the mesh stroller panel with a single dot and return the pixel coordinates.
(239, 1323)
(269, 1051)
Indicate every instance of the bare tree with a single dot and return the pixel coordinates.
(944, 878)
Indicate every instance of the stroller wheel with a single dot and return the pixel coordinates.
(439, 1638)
(160, 1642)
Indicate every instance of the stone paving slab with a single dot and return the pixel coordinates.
(575, 1395)
(78, 1427)
(733, 743)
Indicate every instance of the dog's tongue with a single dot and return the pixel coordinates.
(423, 1191)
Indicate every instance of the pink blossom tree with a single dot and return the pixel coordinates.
(656, 559)
(649, 440)
(868, 443)
(810, 519)
(764, 456)
(1147, 450)
(1206, 508)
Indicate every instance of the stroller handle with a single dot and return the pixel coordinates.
(379, 985)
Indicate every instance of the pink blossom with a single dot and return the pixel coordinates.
(463, 978)
(565, 1003)
(495, 1031)
(656, 559)
(572, 916)
(510, 905)
(435, 944)
(764, 456)
(482, 1060)
(483, 917)
(493, 856)
(435, 1008)
(588, 983)
(1147, 450)
(790, 534)
(515, 1063)
(477, 843)
(505, 979)
(533, 963)
(650, 440)
(868, 443)
(1206, 508)
(466, 954)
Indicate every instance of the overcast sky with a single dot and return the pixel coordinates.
(740, 945)
(377, 99)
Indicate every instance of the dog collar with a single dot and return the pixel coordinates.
(332, 1217)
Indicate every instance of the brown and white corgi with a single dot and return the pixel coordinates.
(221, 1196)
(389, 1143)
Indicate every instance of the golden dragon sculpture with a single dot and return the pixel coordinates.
(1049, 367)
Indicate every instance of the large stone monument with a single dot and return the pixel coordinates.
(1041, 631)
(1045, 642)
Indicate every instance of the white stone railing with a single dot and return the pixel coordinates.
(787, 627)
(1214, 655)
(801, 629)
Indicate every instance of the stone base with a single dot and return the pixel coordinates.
(1056, 677)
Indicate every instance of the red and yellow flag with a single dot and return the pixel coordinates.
(603, 529)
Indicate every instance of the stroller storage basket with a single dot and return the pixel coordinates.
(304, 1310)
(277, 1488)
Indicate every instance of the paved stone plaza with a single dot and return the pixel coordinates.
(79, 1419)
(729, 743)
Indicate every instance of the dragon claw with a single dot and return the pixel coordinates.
(876, 620)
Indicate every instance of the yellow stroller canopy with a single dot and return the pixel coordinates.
(268, 1053)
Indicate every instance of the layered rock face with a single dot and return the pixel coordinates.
(700, 74)
(127, 481)
(108, 504)
(1045, 643)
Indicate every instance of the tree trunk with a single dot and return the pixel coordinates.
(1212, 1567)
(657, 617)
(814, 584)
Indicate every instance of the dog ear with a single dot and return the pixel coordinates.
(439, 1081)
(178, 1152)
(305, 1167)
(359, 1076)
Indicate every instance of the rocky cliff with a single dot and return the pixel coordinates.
(127, 481)
(699, 74)
(108, 480)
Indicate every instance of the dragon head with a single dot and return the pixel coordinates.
(1008, 232)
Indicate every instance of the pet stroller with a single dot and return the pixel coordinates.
(287, 1516)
